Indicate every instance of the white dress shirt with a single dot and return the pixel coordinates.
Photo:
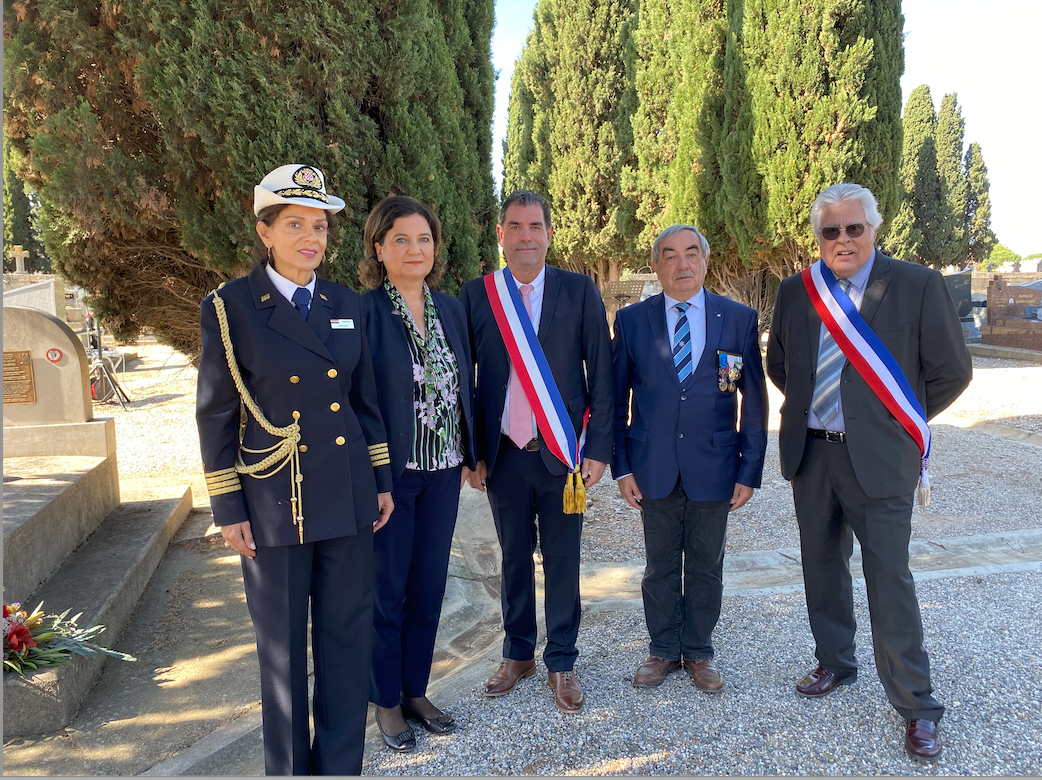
(286, 287)
(696, 321)
(536, 299)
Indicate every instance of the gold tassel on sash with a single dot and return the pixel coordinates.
(574, 493)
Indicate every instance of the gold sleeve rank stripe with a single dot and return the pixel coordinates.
(222, 481)
(379, 454)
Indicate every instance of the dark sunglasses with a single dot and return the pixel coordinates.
(831, 233)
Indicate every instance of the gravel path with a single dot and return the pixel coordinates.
(974, 626)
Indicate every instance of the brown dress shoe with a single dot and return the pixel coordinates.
(705, 674)
(506, 676)
(821, 681)
(922, 740)
(653, 671)
(568, 695)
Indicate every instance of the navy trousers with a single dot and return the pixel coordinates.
(683, 584)
(528, 507)
(831, 508)
(336, 577)
(411, 564)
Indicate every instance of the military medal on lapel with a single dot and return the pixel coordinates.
(730, 370)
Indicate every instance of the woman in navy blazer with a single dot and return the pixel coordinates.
(299, 489)
(424, 375)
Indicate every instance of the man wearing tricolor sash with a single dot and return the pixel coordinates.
(544, 427)
(866, 349)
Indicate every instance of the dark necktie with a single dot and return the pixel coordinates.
(301, 301)
(830, 366)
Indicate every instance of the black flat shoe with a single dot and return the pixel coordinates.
(441, 725)
(403, 743)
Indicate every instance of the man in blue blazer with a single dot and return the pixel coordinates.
(680, 457)
(525, 481)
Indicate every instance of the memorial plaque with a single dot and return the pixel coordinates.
(18, 378)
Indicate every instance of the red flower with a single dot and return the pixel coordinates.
(20, 638)
(6, 612)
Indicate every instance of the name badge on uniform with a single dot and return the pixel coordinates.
(347, 324)
(730, 370)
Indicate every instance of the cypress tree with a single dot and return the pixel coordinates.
(146, 125)
(823, 80)
(18, 227)
(978, 207)
(588, 84)
(923, 189)
(951, 132)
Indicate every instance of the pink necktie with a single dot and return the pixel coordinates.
(520, 409)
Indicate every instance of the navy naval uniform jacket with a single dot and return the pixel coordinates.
(319, 368)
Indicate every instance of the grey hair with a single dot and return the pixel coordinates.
(845, 193)
(672, 230)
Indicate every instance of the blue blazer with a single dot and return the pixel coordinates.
(392, 363)
(573, 332)
(688, 430)
(292, 365)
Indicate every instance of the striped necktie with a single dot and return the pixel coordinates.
(830, 366)
(682, 343)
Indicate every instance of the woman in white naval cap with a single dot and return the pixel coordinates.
(300, 488)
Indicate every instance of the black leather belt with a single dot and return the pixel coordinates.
(532, 446)
(832, 437)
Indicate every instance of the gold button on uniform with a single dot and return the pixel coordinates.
(335, 406)
(294, 379)
(303, 448)
(331, 373)
(296, 415)
(341, 440)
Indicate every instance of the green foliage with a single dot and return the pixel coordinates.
(145, 127)
(1000, 255)
(951, 132)
(981, 239)
(18, 218)
(932, 243)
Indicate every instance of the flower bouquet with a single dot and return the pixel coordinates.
(32, 641)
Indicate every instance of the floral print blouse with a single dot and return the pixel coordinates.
(435, 375)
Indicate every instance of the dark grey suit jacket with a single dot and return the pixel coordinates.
(908, 306)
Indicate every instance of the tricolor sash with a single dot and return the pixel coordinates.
(872, 360)
(526, 354)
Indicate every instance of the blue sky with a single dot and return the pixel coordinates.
(986, 52)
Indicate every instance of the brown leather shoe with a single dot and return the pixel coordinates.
(821, 682)
(922, 740)
(653, 671)
(506, 676)
(568, 695)
(705, 674)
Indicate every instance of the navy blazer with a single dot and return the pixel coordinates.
(688, 430)
(573, 331)
(291, 365)
(909, 308)
(392, 364)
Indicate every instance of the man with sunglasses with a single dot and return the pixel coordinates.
(853, 464)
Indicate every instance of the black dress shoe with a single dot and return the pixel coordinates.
(443, 724)
(820, 682)
(403, 743)
(922, 740)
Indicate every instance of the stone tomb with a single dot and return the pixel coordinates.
(1013, 316)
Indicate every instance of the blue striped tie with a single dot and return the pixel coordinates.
(302, 301)
(830, 366)
(682, 344)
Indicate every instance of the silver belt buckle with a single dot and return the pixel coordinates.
(834, 437)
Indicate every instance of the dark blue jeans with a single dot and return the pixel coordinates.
(683, 583)
(411, 565)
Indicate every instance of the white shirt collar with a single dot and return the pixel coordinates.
(537, 283)
(698, 300)
(285, 286)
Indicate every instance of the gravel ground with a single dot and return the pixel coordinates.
(758, 726)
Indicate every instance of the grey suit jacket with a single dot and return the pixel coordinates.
(908, 306)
